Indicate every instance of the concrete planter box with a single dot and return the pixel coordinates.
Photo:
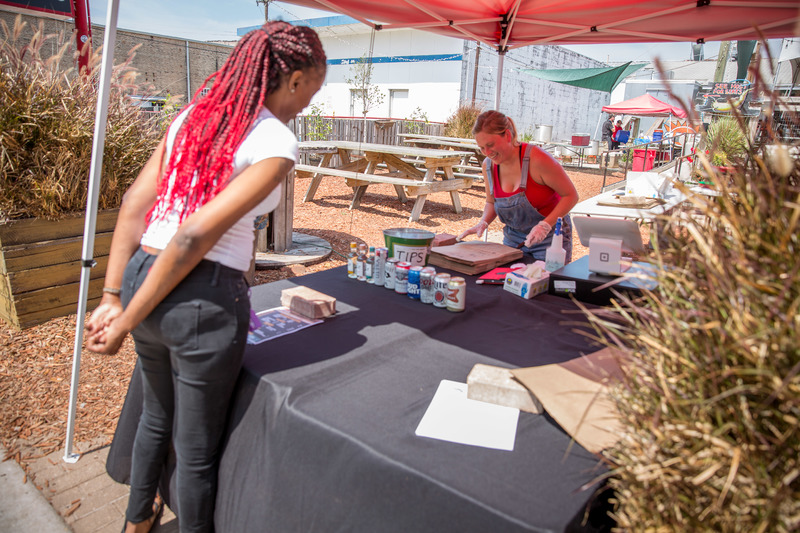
(40, 267)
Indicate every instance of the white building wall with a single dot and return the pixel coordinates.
(433, 85)
(438, 86)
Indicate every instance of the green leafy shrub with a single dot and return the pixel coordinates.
(711, 400)
(527, 137)
(318, 127)
(460, 123)
(416, 122)
(47, 120)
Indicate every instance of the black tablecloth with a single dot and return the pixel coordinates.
(321, 435)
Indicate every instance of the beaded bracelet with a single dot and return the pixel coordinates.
(112, 290)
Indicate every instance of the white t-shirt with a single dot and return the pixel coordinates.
(268, 137)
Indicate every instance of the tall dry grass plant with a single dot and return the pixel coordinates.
(711, 401)
(460, 123)
(46, 128)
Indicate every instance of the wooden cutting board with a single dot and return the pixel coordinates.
(643, 203)
(474, 257)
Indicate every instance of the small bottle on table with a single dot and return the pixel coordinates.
(556, 256)
(361, 262)
(369, 264)
(351, 261)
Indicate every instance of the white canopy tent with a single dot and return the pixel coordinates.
(502, 24)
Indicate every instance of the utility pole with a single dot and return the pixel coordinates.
(475, 75)
(722, 60)
(266, 4)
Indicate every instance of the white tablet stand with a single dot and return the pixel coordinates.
(605, 255)
(606, 239)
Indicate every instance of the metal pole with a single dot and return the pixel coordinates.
(188, 76)
(83, 34)
(93, 193)
(500, 59)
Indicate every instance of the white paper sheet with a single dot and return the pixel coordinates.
(453, 417)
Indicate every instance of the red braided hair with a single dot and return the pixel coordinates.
(202, 153)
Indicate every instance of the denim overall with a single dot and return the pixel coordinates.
(519, 216)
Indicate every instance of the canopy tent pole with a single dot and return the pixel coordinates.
(597, 129)
(95, 171)
(500, 58)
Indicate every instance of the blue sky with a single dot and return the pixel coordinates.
(218, 20)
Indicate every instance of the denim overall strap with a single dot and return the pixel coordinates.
(515, 211)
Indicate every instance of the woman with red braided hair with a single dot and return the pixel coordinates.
(183, 239)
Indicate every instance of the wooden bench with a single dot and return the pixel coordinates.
(466, 175)
(403, 186)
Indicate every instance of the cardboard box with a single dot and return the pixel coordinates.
(308, 302)
(443, 239)
(526, 287)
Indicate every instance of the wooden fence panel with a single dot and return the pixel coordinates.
(384, 131)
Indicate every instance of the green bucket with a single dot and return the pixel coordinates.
(409, 244)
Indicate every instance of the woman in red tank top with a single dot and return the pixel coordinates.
(525, 187)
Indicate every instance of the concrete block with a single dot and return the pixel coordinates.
(308, 302)
(493, 384)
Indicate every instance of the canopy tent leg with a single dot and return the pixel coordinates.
(500, 59)
(95, 172)
(597, 129)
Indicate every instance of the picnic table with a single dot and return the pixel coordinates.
(578, 150)
(449, 143)
(411, 170)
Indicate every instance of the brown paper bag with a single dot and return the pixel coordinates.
(575, 393)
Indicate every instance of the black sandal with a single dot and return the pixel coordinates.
(158, 508)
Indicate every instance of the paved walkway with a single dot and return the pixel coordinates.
(78, 498)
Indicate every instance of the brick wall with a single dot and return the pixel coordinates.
(160, 61)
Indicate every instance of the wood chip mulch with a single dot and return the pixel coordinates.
(36, 363)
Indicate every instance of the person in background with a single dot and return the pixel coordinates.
(614, 140)
(525, 187)
(608, 132)
(183, 239)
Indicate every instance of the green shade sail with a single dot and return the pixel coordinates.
(598, 79)
(744, 50)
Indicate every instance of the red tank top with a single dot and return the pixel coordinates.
(542, 197)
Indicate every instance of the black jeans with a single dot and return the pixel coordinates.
(190, 348)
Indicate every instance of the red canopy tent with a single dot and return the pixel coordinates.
(507, 24)
(502, 24)
(645, 106)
